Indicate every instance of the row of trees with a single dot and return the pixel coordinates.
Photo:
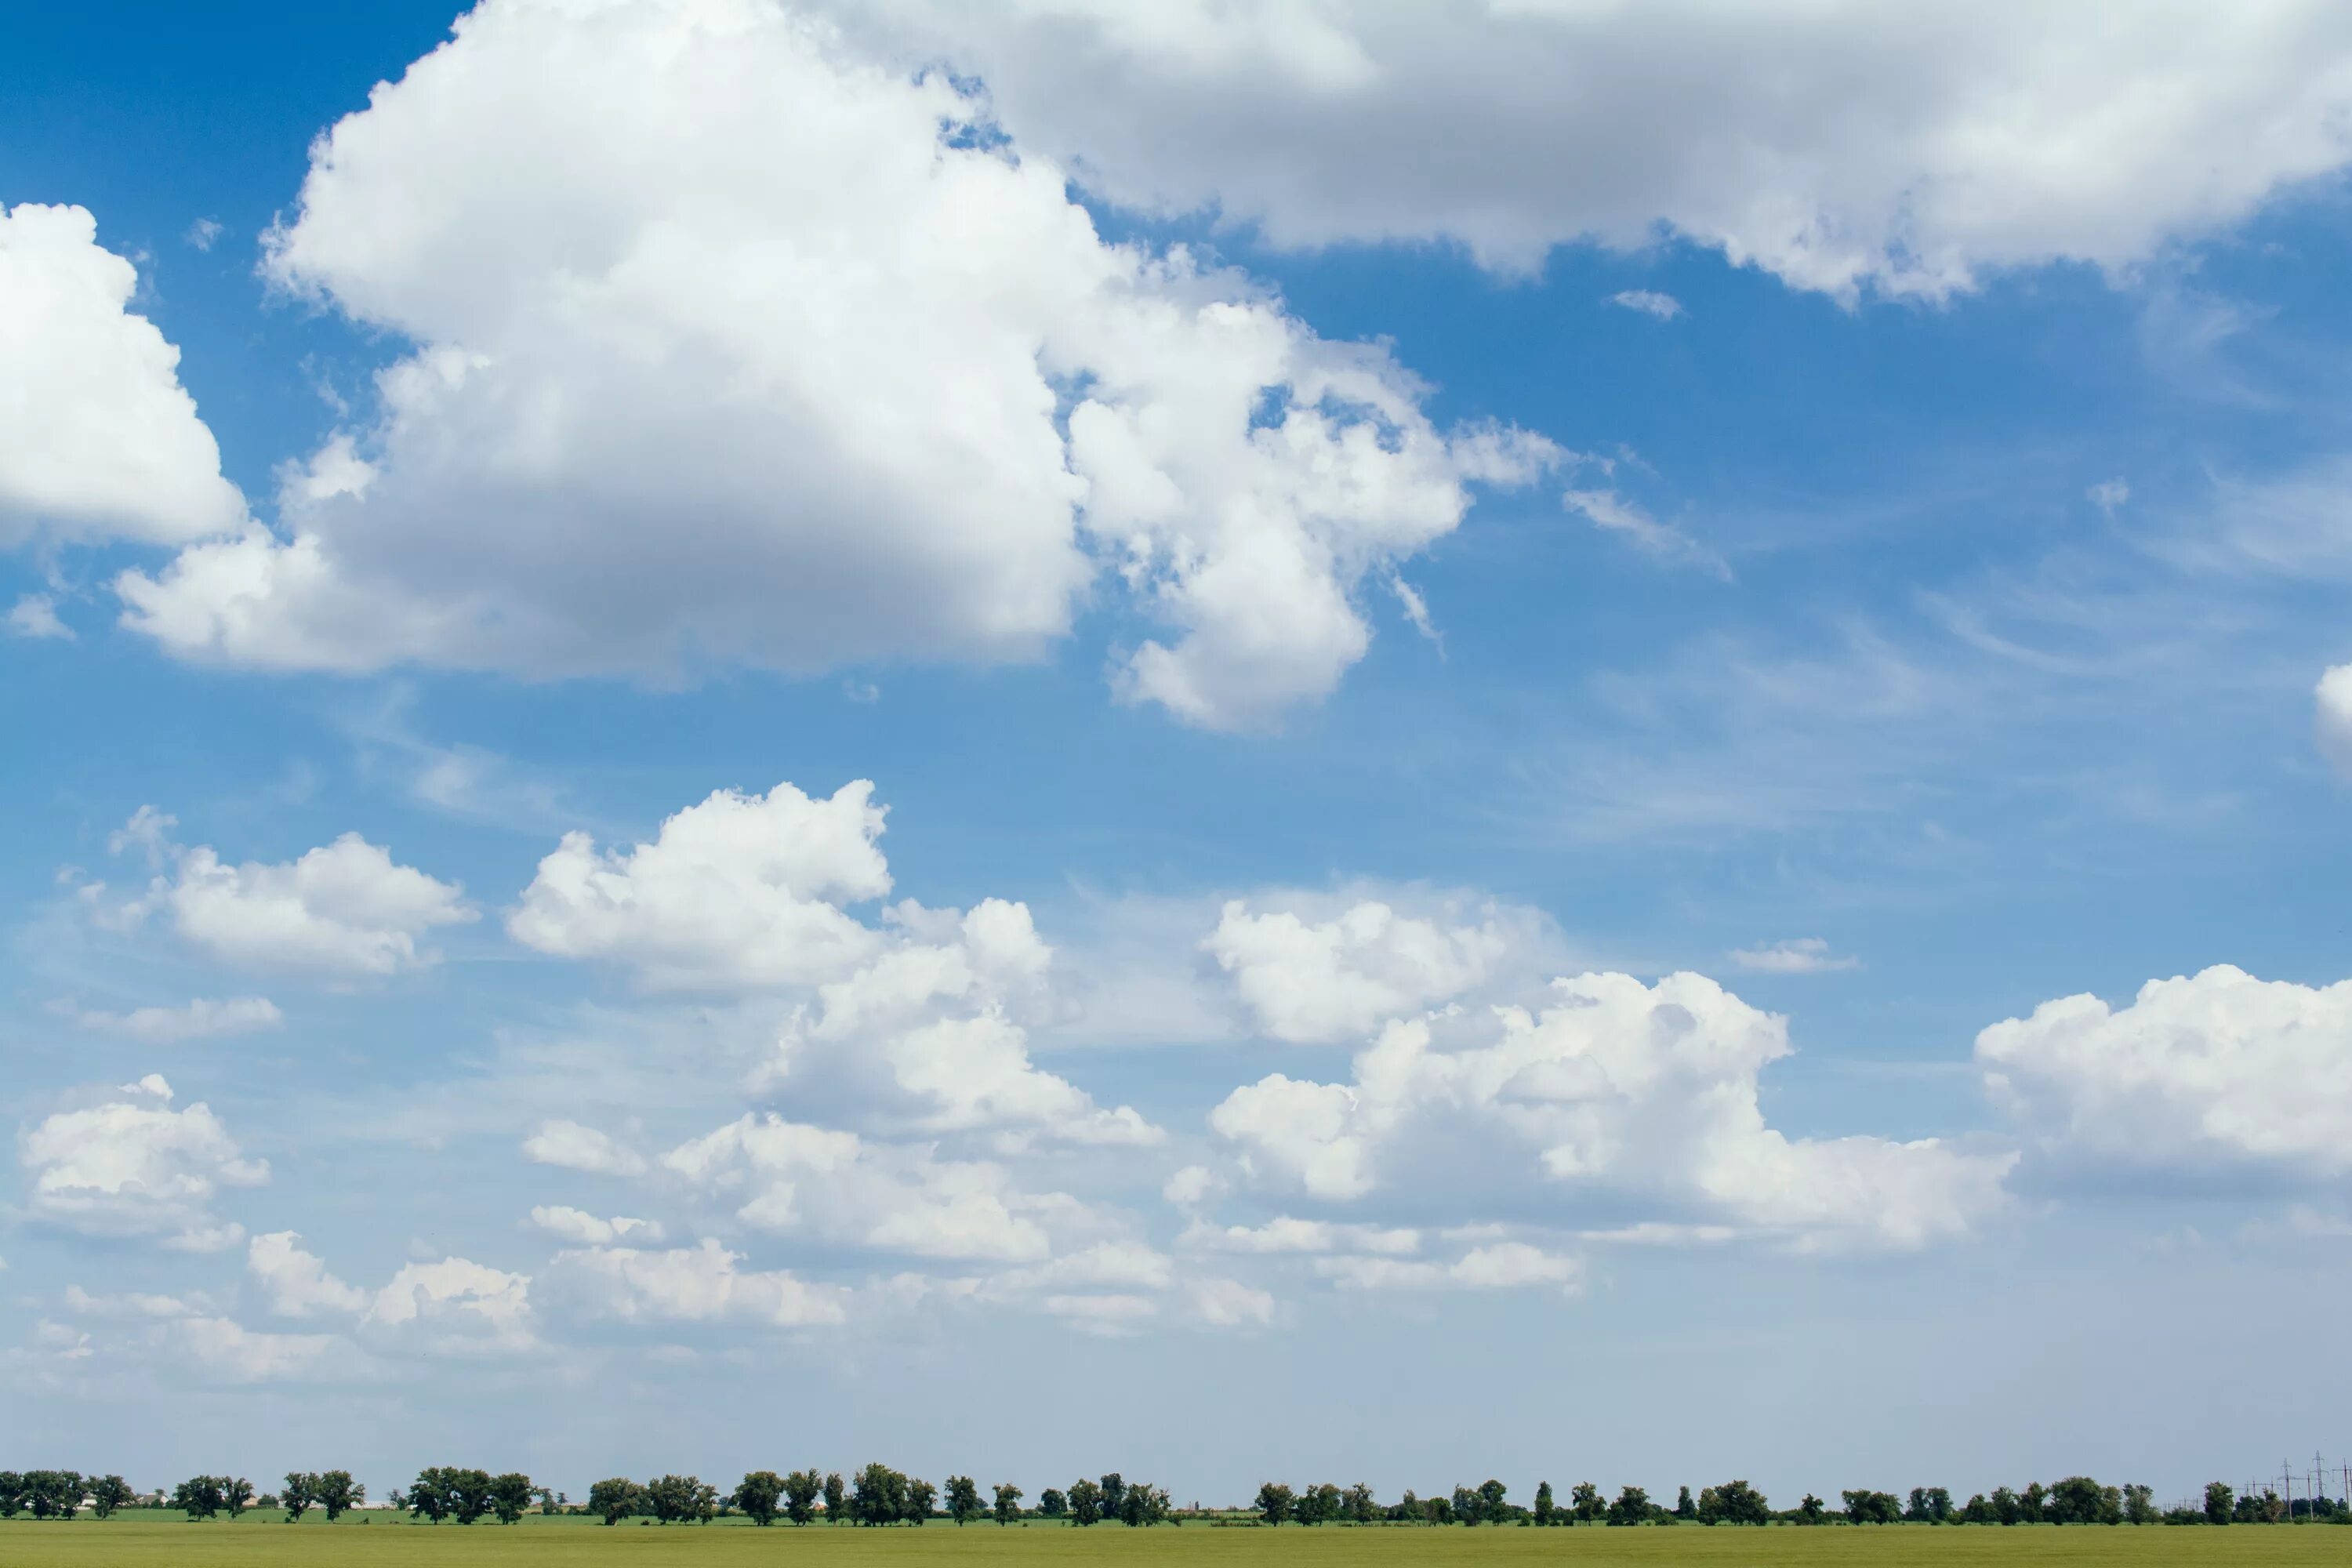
(58, 1494)
(2077, 1500)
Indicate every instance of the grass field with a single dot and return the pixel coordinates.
(150, 1538)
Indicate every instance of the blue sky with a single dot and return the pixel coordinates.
(1493, 659)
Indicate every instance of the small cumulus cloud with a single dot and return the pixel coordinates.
(202, 233)
(1648, 302)
(1798, 956)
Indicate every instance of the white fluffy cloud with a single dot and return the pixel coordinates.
(2213, 1069)
(1839, 145)
(738, 350)
(455, 1307)
(1287, 1234)
(577, 1148)
(200, 1019)
(918, 1017)
(1497, 1266)
(691, 1284)
(1309, 981)
(588, 1230)
(791, 1178)
(1615, 1095)
(295, 1281)
(134, 1166)
(102, 440)
(738, 891)
(344, 908)
(1797, 955)
(234, 1353)
(2334, 720)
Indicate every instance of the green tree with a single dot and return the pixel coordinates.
(757, 1495)
(1929, 1505)
(921, 1495)
(510, 1496)
(108, 1493)
(236, 1494)
(1977, 1510)
(1141, 1504)
(801, 1488)
(1492, 1507)
(1733, 1502)
(2077, 1500)
(1052, 1504)
(1362, 1507)
(334, 1492)
(11, 1493)
(1273, 1502)
(1114, 1494)
(881, 1495)
(546, 1501)
(837, 1499)
(1811, 1511)
(2219, 1502)
(1684, 1507)
(301, 1491)
(199, 1497)
(1545, 1508)
(1632, 1507)
(1866, 1507)
(2008, 1508)
(1086, 1502)
(2139, 1504)
(2030, 1501)
(469, 1493)
(1585, 1502)
(1466, 1505)
(963, 1499)
(615, 1498)
(1008, 1503)
(52, 1494)
(431, 1496)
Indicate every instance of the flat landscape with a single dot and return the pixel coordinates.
(149, 1538)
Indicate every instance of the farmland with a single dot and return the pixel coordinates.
(154, 1537)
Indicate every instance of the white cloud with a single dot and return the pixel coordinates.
(131, 1304)
(1797, 955)
(1314, 981)
(2333, 702)
(1648, 302)
(791, 1178)
(346, 908)
(691, 1284)
(202, 233)
(200, 1019)
(586, 1230)
(876, 391)
(2214, 1069)
(1838, 145)
(36, 616)
(736, 891)
(135, 1167)
(1229, 1304)
(1501, 1265)
(1285, 1233)
(1626, 518)
(917, 1019)
(456, 1306)
(1616, 1094)
(237, 1354)
(295, 1281)
(102, 440)
(2108, 495)
(1190, 1185)
(577, 1147)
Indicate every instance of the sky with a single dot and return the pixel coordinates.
(1330, 740)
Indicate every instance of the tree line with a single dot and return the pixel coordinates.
(2077, 1500)
(878, 1496)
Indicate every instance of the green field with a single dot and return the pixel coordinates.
(150, 1538)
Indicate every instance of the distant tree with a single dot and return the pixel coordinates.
(881, 1495)
(2219, 1502)
(1811, 1511)
(2077, 1500)
(1977, 1510)
(1545, 1508)
(1466, 1505)
(2008, 1508)
(431, 1496)
(1086, 1502)
(469, 1493)
(1316, 1504)
(1929, 1505)
(835, 1498)
(238, 1495)
(108, 1493)
(1684, 1507)
(301, 1491)
(2030, 1501)
(11, 1493)
(1866, 1507)
(334, 1492)
(1052, 1504)
(801, 1488)
(1273, 1502)
(1114, 1494)
(199, 1497)
(1008, 1503)
(920, 1496)
(1585, 1502)
(1438, 1510)
(510, 1496)
(757, 1495)
(615, 1498)
(1140, 1503)
(2139, 1504)
(1632, 1507)
(546, 1501)
(1363, 1508)
(676, 1499)
(1734, 1502)
(51, 1494)
(963, 1499)
(1492, 1506)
